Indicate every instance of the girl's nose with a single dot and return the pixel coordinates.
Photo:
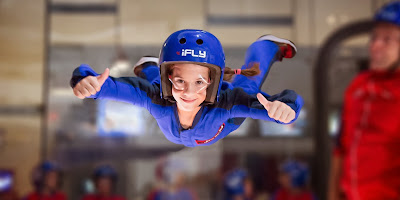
(190, 89)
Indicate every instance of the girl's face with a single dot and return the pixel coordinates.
(189, 85)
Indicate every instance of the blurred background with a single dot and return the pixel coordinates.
(42, 42)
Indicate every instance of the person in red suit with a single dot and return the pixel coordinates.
(47, 178)
(105, 179)
(366, 161)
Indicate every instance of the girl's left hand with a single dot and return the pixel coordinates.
(277, 110)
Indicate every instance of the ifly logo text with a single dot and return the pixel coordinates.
(186, 52)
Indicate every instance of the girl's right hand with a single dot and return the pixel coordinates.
(90, 85)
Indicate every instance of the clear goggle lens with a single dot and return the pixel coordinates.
(198, 85)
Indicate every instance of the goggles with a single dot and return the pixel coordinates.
(199, 85)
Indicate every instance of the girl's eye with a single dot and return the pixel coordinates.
(199, 82)
(180, 81)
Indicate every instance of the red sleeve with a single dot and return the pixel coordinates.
(339, 148)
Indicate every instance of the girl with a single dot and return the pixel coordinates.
(196, 107)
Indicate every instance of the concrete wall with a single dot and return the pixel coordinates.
(21, 80)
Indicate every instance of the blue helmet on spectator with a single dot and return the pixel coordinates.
(298, 173)
(389, 13)
(234, 182)
(105, 171)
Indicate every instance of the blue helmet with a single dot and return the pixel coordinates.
(389, 13)
(193, 46)
(48, 166)
(105, 171)
(298, 173)
(234, 182)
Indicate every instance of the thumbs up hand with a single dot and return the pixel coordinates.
(90, 85)
(277, 110)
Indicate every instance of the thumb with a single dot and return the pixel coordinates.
(264, 101)
(103, 77)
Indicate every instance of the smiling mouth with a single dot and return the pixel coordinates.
(188, 101)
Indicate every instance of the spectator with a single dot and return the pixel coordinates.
(105, 180)
(238, 186)
(293, 181)
(47, 180)
(365, 161)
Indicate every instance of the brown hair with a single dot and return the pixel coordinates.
(253, 69)
(170, 69)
